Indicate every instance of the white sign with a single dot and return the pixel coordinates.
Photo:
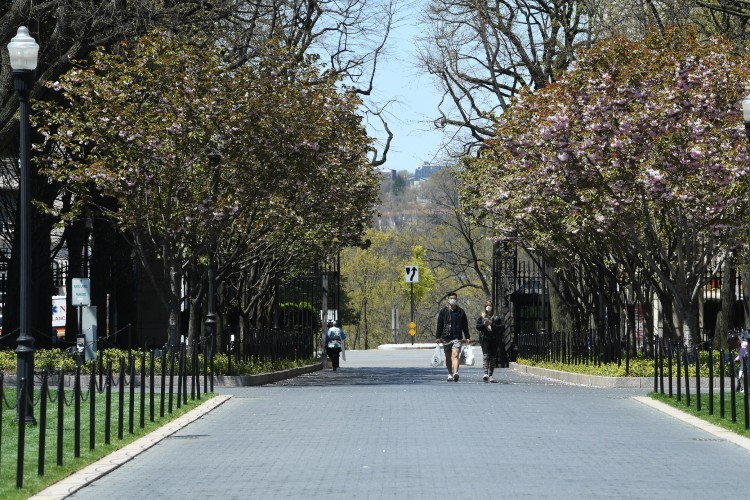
(81, 292)
(411, 274)
(58, 310)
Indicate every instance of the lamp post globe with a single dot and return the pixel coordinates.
(23, 52)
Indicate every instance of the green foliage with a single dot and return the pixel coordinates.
(639, 367)
(54, 360)
(195, 157)
(221, 366)
(399, 185)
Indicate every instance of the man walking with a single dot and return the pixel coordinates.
(452, 329)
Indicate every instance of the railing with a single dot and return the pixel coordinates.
(702, 368)
(139, 370)
(273, 344)
(687, 374)
(577, 348)
(160, 377)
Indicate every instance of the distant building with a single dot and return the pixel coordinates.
(426, 171)
(388, 174)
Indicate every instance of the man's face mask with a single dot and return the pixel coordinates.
(452, 302)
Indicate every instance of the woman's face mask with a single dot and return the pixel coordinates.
(488, 309)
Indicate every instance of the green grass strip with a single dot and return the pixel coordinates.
(34, 483)
(737, 427)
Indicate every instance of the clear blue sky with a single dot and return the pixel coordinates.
(416, 98)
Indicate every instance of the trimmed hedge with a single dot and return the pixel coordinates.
(56, 359)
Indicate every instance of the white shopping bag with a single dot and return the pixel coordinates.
(437, 357)
(467, 355)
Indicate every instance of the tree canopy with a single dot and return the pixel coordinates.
(262, 162)
(640, 146)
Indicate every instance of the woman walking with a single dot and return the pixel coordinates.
(491, 329)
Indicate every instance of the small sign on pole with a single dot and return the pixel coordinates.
(411, 274)
(81, 292)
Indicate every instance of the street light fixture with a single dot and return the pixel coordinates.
(23, 51)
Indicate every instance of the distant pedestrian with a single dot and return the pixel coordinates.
(452, 330)
(335, 337)
(741, 344)
(491, 330)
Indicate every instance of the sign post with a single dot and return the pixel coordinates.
(81, 297)
(411, 276)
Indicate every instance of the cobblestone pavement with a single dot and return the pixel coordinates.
(386, 425)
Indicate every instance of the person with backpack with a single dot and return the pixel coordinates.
(335, 337)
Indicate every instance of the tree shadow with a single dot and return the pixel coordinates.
(378, 376)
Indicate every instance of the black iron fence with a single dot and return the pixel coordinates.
(587, 347)
(694, 375)
(131, 390)
(141, 385)
(273, 344)
(578, 348)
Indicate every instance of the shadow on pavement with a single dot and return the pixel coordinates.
(380, 376)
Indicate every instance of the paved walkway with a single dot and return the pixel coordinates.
(388, 426)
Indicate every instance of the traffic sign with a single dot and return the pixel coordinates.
(412, 328)
(411, 274)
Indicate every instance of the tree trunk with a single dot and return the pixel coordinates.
(725, 321)
(174, 306)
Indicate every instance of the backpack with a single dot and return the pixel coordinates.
(335, 333)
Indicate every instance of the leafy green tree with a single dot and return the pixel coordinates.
(261, 163)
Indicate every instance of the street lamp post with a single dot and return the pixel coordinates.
(23, 51)
(214, 159)
(746, 119)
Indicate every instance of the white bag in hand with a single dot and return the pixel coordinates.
(467, 355)
(437, 357)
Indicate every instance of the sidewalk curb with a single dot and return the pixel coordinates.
(107, 464)
(264, 378)
(719, 432)
(599, 381)
(219, 380)
(587, 380)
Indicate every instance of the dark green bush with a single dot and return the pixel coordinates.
(56, 359)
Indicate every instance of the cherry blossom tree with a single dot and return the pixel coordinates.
(640, 147)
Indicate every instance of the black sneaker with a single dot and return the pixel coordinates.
(455, 377)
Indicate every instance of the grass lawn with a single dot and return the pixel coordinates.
(726, 422)
(32, 482)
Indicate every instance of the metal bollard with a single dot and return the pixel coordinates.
(108, 404)
(92, 407)
(42, 423)
(77, 414)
